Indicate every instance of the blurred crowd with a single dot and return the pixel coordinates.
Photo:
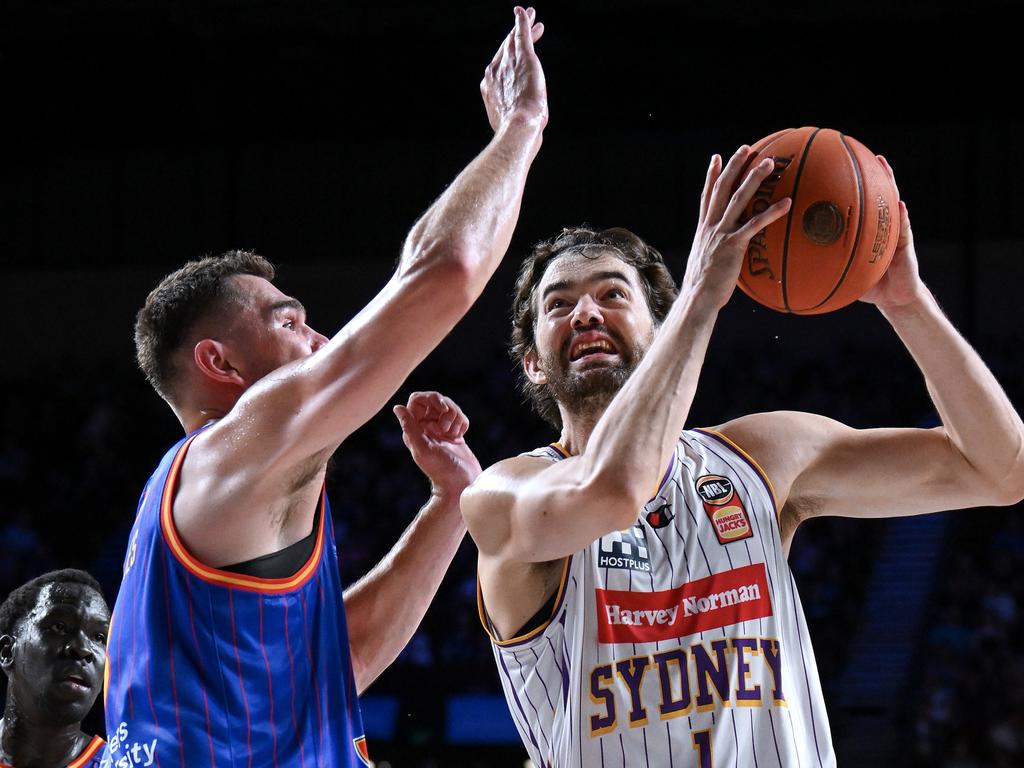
(968, 706)
(76, 447)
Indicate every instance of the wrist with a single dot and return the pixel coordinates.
(912, 302)
(446, 495)
(704, 300)
(521, 126)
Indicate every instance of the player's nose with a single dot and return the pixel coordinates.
(587, 312)
(316, 340)
(78, 647)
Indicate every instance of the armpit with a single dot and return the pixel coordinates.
(794, 512)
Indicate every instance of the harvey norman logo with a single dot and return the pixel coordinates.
(717, 601)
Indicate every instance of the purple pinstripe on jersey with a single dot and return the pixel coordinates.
(614, 619)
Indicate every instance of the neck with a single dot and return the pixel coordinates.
(578, 426)
(27, 743)
(196, 418)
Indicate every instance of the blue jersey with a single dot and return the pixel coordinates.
(207, 667)
(88, 758)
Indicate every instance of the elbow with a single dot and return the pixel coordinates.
(1002, 489)
(1012, 487)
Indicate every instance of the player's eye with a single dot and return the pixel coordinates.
(554, 304)
(59, 626)
(100, 637)
(289, 324)
(615, 293)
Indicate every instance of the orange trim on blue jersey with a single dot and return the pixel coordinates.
(86, 755)
(90, 751)
(227, 578)
(563, 583)
(750, 460)
(362, 751)
(106, 667)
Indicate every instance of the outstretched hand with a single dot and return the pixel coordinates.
(433, 429)
(513, 84)
(901, 284)
(722, 236)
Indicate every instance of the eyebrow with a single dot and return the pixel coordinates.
(277, 306)
(561, 285)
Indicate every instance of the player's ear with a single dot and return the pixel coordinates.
(7, 643)
(531, 366)
(211, 359)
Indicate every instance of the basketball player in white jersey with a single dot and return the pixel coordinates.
(633, 576)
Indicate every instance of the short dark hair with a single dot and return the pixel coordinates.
(179, 301)
(23, 599)
(655, 279)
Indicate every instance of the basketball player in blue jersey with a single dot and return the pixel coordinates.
(53, 645)
(231, 642)
(633, 575)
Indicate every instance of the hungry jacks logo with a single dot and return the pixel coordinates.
(724, 508)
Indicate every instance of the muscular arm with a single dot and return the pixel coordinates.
(385, 607)
(275, 442)
(523, 511)
(976, 458)
(400, 588)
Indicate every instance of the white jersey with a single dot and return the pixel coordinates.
(678, 642)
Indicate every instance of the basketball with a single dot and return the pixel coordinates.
(840, 233)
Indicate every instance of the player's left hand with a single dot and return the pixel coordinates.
(433, 429)
(513, 84)
(901, 284)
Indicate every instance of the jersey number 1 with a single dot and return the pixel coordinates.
(702, 743)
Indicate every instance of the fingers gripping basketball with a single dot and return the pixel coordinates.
(840, 233)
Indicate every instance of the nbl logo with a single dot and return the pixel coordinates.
(624, 549)
(724, 508)
(714, 489)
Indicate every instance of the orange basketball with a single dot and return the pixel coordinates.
(840, 233)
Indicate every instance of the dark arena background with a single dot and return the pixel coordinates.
(139, 135)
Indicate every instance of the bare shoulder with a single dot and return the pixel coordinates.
(488, 503)
(782, 443)
(227, 509)
(507, 471)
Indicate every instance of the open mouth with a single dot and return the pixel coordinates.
(589, 344)
(76, 681)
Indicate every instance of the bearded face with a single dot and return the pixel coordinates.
(591, 379)
(593, 328)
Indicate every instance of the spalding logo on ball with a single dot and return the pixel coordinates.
(840, 233)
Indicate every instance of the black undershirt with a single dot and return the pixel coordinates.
(283, 563)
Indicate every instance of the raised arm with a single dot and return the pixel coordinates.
(528, 511)
(447, 259)
(976, 458)
(397, 592)
(274, 443)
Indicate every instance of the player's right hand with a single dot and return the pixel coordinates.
(513, 86)
(722, 238)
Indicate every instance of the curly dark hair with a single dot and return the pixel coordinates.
(23, 599)
(658, 286)
(179, 301)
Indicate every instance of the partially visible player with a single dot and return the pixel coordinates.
(53, 645)
(229, 644)
(633, 575)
